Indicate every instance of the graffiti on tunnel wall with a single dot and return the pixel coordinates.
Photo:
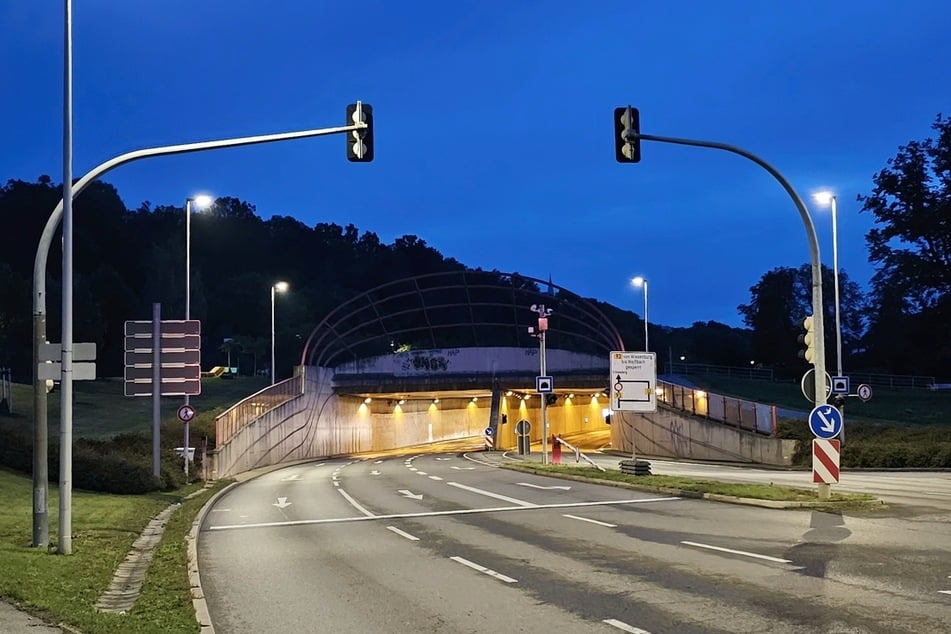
(679, 443)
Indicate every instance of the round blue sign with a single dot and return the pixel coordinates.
(489, 431)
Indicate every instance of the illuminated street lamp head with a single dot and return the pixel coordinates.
(202, 201)
(638, 281)
(823, 198)
(280, 287)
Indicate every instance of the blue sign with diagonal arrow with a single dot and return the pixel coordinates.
(825, 421)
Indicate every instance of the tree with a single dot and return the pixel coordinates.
(781, 300)
(911, 243)
(911, 204)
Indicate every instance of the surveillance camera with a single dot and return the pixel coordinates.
(534, 307)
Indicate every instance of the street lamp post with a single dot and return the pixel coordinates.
(278, 287)
(638, 282)
(828, 198)
(543, 314)
(201, 202)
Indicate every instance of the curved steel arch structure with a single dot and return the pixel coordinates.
(464, 308)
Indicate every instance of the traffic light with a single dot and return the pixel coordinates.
(627, 130)
(808, 338)
(360, 142)
(551, 399)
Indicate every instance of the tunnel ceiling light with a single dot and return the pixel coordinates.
(402, 400)
(367, 400)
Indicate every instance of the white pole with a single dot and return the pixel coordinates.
(65, 541)
(272, 336)
(646, 348)
(188, 300)
(835, 266)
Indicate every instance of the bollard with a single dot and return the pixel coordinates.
(555, 450)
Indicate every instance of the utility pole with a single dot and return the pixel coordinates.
(543, 314)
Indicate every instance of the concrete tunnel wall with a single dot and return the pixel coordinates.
(320, 424)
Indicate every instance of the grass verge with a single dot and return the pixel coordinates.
(794, 497)
(65, 589)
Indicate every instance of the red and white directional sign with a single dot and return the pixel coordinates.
(825, 460)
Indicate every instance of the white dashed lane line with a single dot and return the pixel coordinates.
(483, 569)
(403, 534)
(738, 552)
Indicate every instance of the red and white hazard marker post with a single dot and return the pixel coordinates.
(825, 464)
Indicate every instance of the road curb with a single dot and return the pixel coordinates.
(194, 576)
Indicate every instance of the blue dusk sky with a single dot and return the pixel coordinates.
(493, 123)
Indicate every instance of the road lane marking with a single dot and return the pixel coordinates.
(394, 516)
(497, 496)
(220, 510)
(544, 488)
(738, 552)
(403, 534)
(491, 573)
(354, 503)
(420, 472)
(435, 478)
(585, 519)
(462, 468)
(621, 625)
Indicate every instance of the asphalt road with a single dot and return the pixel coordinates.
(442, 543)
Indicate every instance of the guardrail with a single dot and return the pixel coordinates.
(740, 372)
(245, 411)
(736, 412)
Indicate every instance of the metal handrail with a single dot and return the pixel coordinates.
(245, 411)
(578, 453)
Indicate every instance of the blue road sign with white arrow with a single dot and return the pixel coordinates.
(825, 421)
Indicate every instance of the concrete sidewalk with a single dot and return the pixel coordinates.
(16, 621)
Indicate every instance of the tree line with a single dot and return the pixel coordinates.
(126, 259)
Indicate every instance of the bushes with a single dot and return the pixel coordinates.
(122, 464)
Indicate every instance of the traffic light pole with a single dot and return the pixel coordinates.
(40, 422)
(810, 234)
(817, 310)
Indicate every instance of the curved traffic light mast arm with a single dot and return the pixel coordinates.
(40, 437)
(817, 312)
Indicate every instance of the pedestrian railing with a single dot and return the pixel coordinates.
(244, 412)
(736, 412)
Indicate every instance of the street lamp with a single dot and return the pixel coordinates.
(638, 282)
(201, 202)
(278, 287)
(828, 198)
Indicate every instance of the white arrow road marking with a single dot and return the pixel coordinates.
(410, 494)
(585, 519)
(497, 496)
(537, 486)
(282, 503)
(945, 591)
(354, 503)
(491, 573)
(624, 627)
(738, 552)
(462, 468)
(412, 538)
(374, 472)
(291, 478)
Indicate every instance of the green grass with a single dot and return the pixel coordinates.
(101, 409)
(66, 588)
(700, 487)
(896, 406)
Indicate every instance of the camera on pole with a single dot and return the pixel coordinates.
(360, 142)
(627, 131)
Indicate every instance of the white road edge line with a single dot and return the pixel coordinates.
(738, 552)
(491, 573)
(621, 625)
(354, 503)
(945, 591)
(585, 519)
(403, 534)
(497, 496)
